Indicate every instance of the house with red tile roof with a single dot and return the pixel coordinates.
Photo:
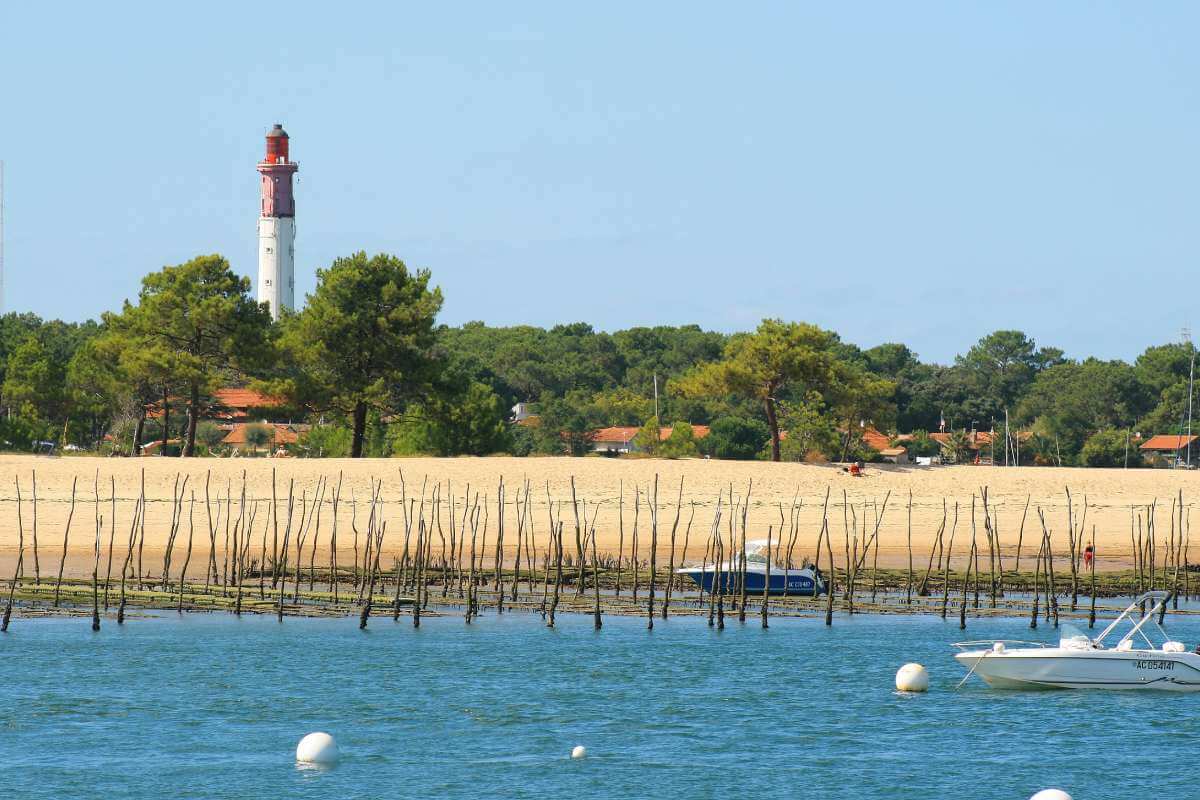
(281, 435)
(239, 403)
(1168, 449)
(619, 439)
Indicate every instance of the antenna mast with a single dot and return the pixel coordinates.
(1187, 339)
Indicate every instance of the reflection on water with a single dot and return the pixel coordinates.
(305, 766)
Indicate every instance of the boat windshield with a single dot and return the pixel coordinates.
(1069, 631)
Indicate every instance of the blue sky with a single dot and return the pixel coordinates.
(923, 173)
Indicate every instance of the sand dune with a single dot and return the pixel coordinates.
(1109, 494)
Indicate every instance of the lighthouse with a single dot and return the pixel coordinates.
(277, 226)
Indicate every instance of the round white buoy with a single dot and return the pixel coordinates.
(1051, 794)
(912, 678)
(579, 751)
(317, 748)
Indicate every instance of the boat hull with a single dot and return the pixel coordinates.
(1066, 668)
(794, 583)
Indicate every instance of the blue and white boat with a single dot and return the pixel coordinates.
(802, 582)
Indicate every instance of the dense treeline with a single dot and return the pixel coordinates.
(368, 371)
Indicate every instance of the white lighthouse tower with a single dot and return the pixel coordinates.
(277, 226)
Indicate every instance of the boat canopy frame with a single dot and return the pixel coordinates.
(1159, 595)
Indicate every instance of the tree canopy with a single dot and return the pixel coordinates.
(778, 363)
(364, 341)
(194, 326)
(367, 370)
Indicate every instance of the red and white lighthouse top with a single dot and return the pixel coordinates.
(277, 171)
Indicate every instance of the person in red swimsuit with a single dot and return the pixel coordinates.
(1088, 553)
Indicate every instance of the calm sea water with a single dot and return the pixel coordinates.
(212, 707)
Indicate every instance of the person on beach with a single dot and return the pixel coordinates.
(1088, 552)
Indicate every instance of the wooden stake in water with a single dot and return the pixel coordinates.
(306, 526)
(909, 586)
(1037, 566)
(354, 530)
(316, 537)
(793, 530)
(473, 515)
(993, 544)
(713, 535)
(923, 588)
(497, 585)
(742, 558)
(962, 610)
(520, 535)
(722, 579)
(558, 556)
(210, 573)
(188, 557)
(12, 586)
(37, 570)
(369, 544)
(671, 561)
(171, 533)
(376, 540)
(1176, 546)
(142, 533)
(283, 551)
(333, 565)
(96, 572)
(1071, 546)
(262, 546)
(846, 589)
(767, 579)
(831, 585)
(275, 531)
(126, 567)
(408, 521)
(547, 555)
(973, 555)
(1187, 535)
(1092, 568)
(1021, 536)
(596, 621)
(687, 533)
(653, 552)
(416, 613)
(949, 552)
(238, 567)
(633, 546)
(66, 536)
(226, 562)
(1051, 588)
(620, 532)
(112, 534)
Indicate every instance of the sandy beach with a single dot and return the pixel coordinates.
(1109, 495)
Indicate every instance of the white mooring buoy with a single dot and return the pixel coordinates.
(1051, 794)
(317, 748)
(579, 751)
(912, 678)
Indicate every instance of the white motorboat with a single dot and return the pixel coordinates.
(1081, 662)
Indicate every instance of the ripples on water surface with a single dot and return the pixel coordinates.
(212, 707)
